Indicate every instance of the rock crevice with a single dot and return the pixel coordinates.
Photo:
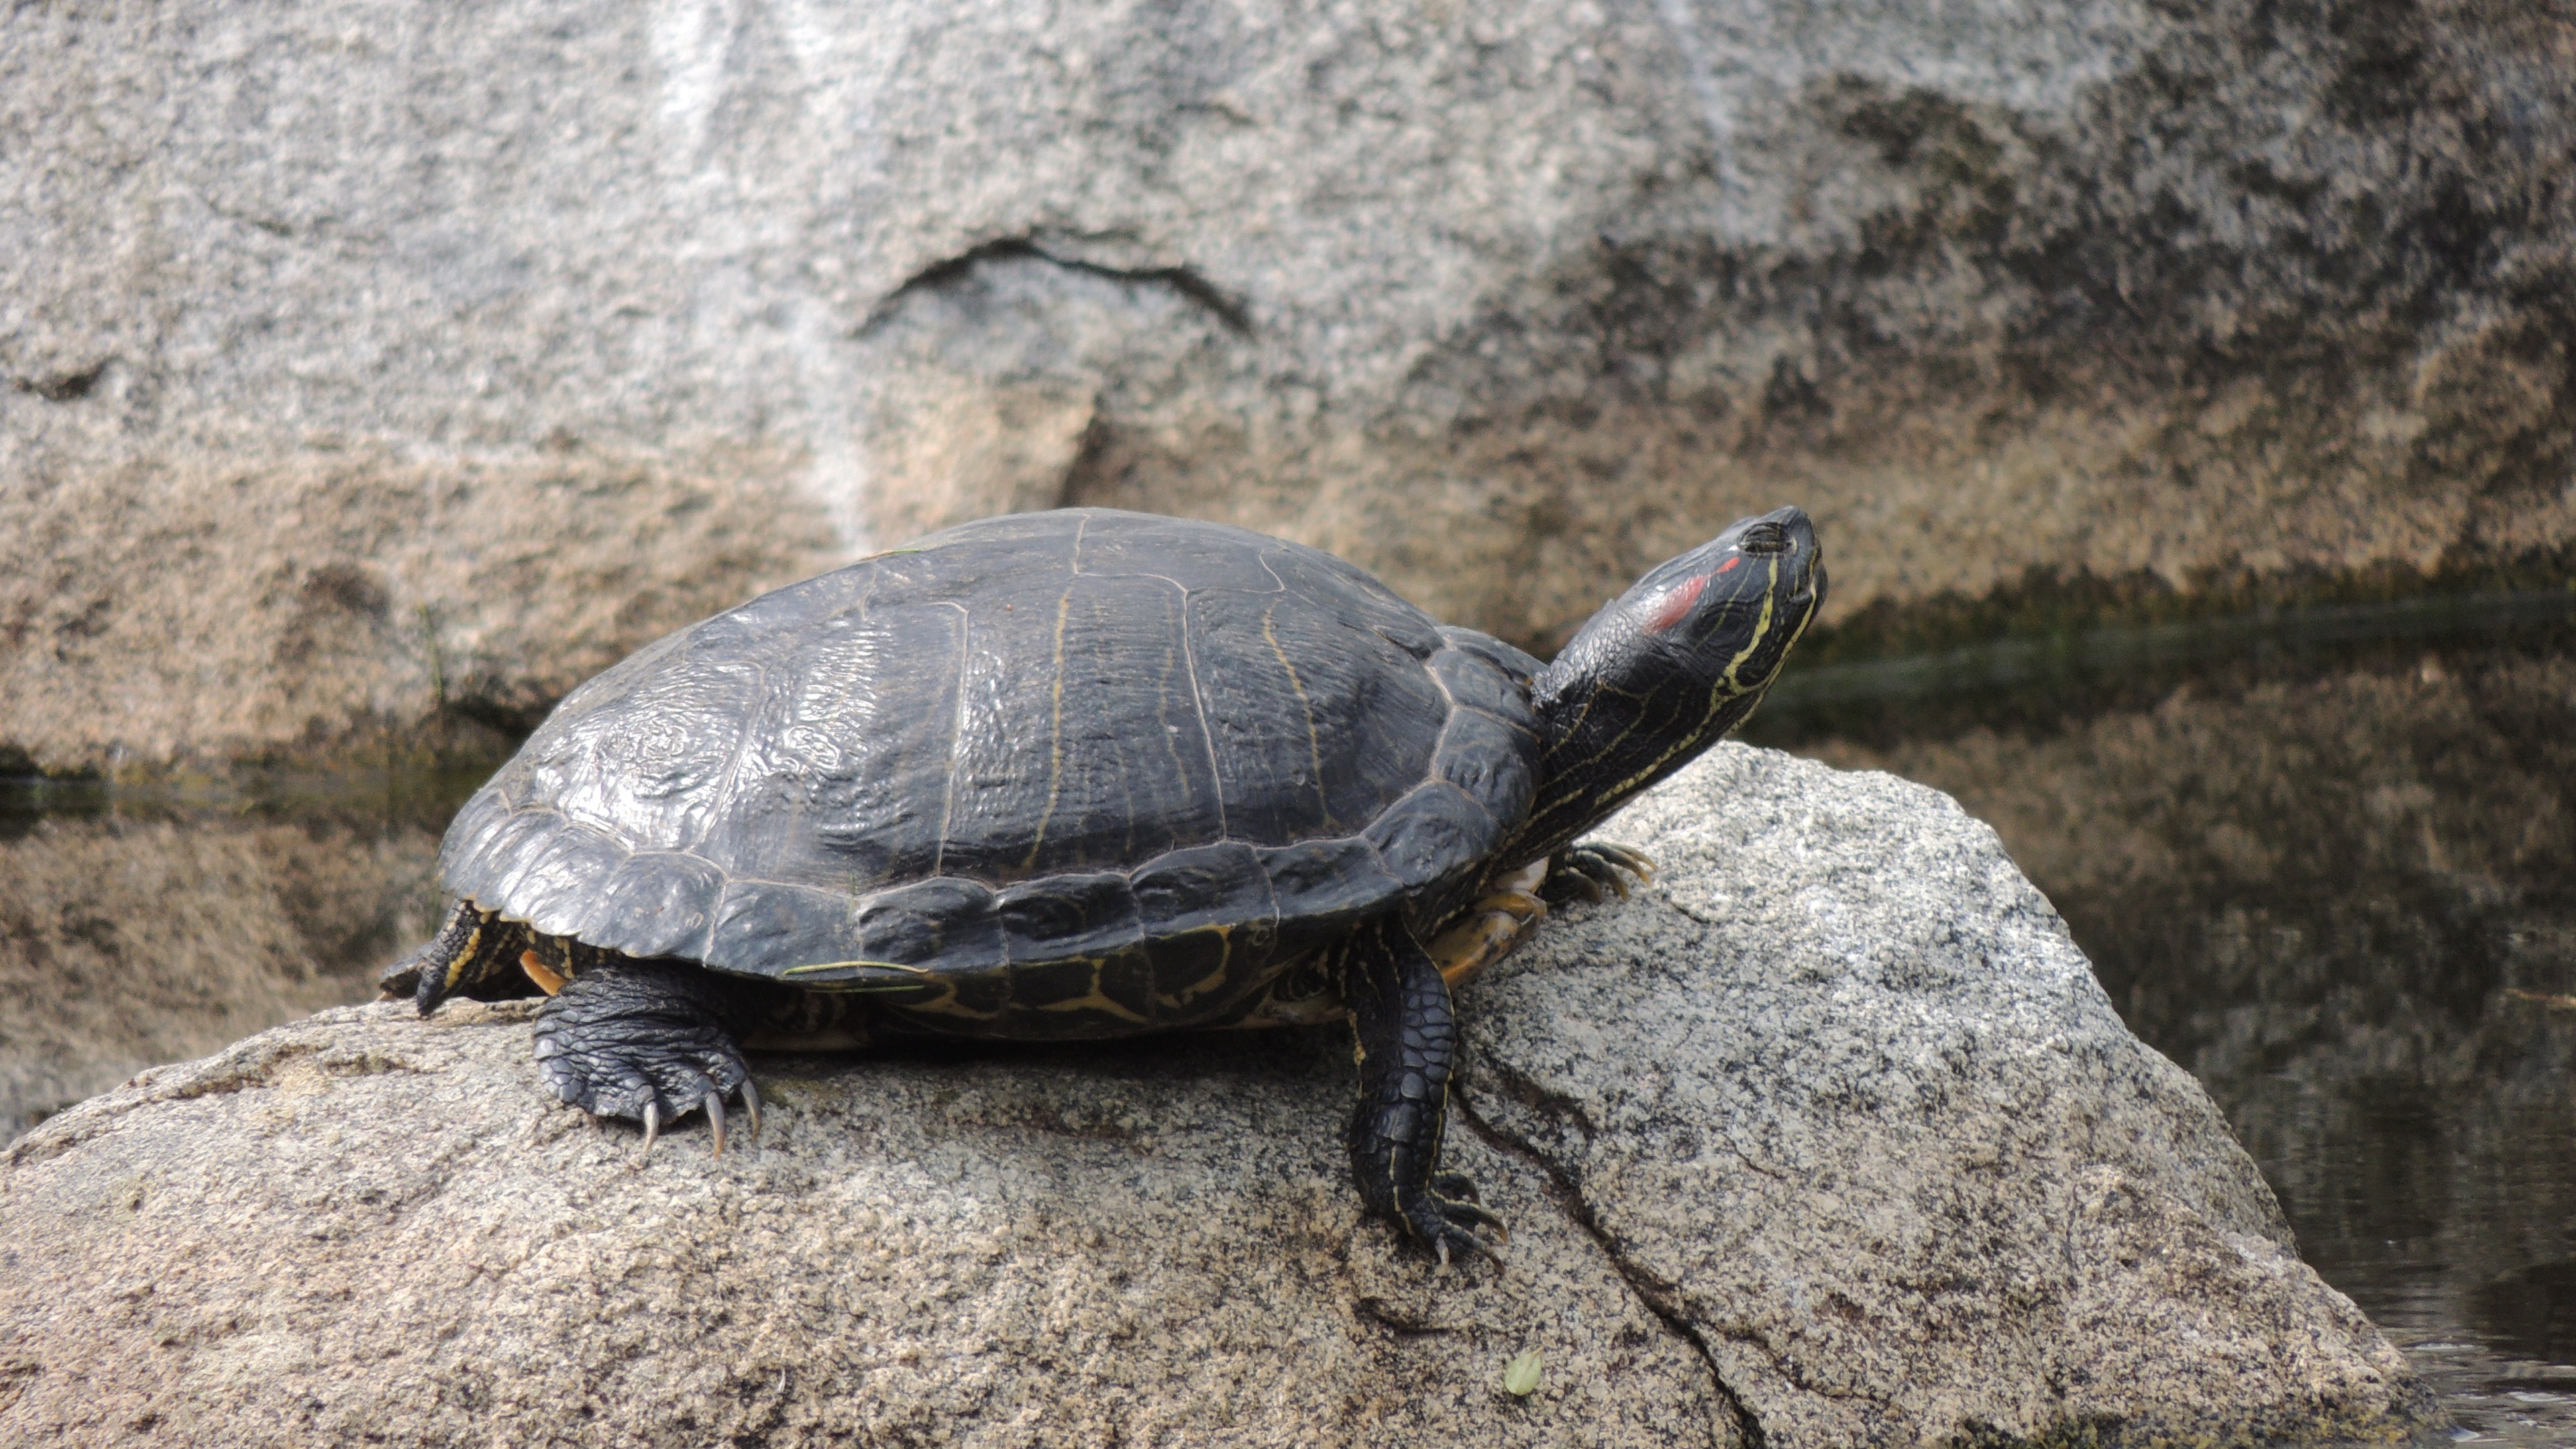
(1656, 1298)
(1183, 280)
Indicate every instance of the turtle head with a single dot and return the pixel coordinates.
(1667, 669)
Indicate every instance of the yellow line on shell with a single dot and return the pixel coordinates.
(1055, 735)
(820, 966)
(1306, 707)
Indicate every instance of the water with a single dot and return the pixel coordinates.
(2333, 872)
(147, 927)
(2321, 858)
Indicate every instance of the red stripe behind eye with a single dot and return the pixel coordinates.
(1676, 603)
(1732, 561)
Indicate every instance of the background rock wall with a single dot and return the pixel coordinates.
(363, 362)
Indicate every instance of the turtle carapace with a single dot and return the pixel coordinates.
(1085, 774)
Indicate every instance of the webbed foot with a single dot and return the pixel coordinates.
(647, 1042)
(1594, 871)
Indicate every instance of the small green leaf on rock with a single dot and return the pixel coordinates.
(1520, 1376)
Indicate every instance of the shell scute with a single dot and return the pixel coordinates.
(771, 928)
(492, 866)
(646, 764)
(1102, 992)
(1211, 965)
(942, 917)
(1489, 761)
(1328, 883)
(1517, 667)
(1209, 885)
(1430, 835)
(566, 871)
(866, 725)
(1316, 724)
(1474, 683)
(659, 904)
(1185, 556)
(469, 833)
(1067, 916)
(1328, 585)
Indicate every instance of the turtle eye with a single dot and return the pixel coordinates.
(1764, 538)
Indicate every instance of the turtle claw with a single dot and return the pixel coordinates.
(1446, 1215)
(636, 1041)
(1595, 871)
(1628, 858)
(1446, 1225)
(1455, 1185)
(713, 1102)
(1471, 1214)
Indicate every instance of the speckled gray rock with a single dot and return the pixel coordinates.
(349, 350)
(1875, 1133)
(1830, 1138)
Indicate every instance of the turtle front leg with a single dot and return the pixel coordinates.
(647, 1041)
(1406, 1038)
(1493, 927)
(1594, 871)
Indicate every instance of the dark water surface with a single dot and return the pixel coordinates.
(140, 927)
(2331, 870)
(2327, 861)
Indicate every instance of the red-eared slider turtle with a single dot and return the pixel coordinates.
(1084, 774)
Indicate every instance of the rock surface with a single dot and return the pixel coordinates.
(1830, 1139)
(359, 361)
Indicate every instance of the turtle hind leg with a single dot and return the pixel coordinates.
(1407, 1040)
(472, 955)
(648, 1041)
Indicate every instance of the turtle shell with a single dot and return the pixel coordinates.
(1058, 774)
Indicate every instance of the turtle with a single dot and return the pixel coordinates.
(1080, 774)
